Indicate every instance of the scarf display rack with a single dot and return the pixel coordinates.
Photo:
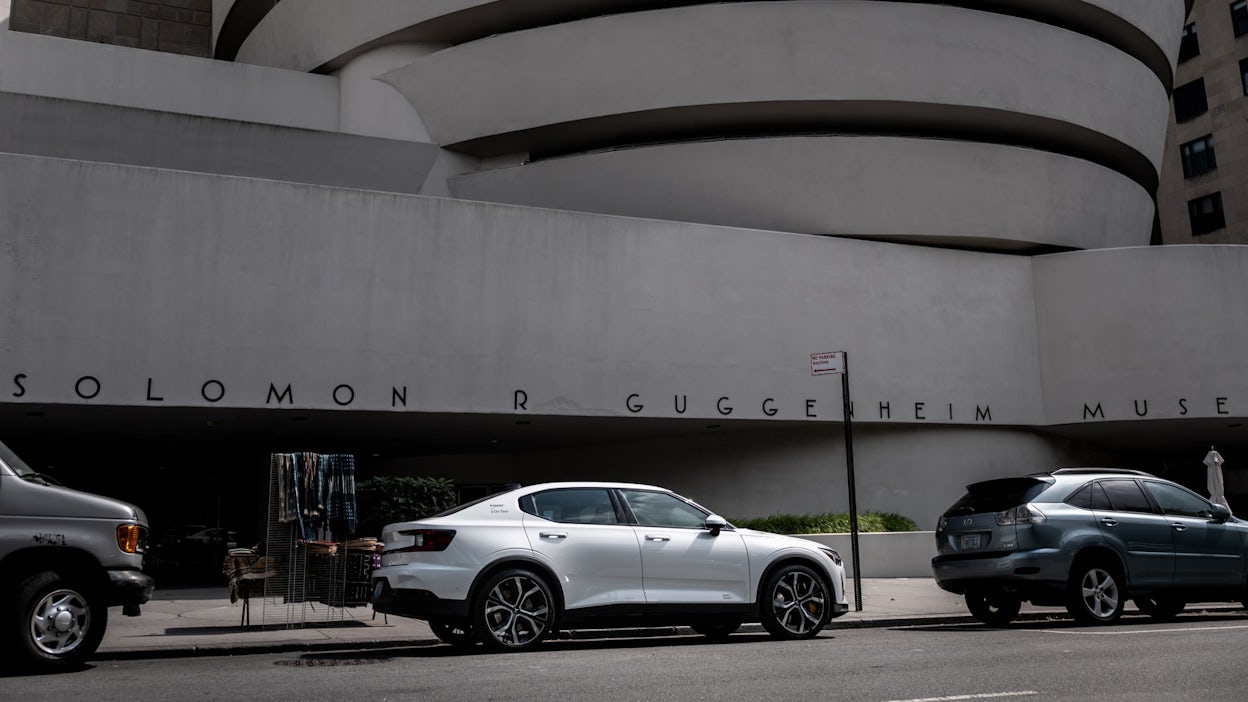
(318, 570)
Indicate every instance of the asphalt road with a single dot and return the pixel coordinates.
(1194, 657)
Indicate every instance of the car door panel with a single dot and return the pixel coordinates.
(692, 566)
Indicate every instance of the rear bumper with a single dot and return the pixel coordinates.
(1035, 570)
(129, 589)
(417, 604)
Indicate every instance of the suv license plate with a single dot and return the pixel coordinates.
(969, 542)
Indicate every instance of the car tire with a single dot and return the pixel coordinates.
(1160, 607)
(1095, 593)
(993, 607)
(513, 610)
(60, 622)
(716, 632)
(459, 635)
(794, 603)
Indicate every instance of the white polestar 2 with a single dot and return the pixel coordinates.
(508, 570)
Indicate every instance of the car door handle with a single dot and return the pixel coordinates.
(658, 537)
(556, 535)
(1109, 521)
(1178, 526)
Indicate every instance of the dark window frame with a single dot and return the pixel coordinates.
(1190, 46)
(1190, 101)
(1239, 17)
(1198, 157)
(1243, 73)
(1205, 222)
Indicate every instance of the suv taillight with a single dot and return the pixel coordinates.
(426, 540)
(1024, 514)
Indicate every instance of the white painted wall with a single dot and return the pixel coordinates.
(923, 189)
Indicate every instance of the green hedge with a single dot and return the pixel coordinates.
(827, 523)
(388, 499)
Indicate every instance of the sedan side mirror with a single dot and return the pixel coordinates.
(1220, 513)
(715, 523)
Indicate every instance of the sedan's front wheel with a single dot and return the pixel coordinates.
(513, 611)
(795, 603)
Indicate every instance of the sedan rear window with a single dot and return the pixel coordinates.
(571, 506)
(998, 495)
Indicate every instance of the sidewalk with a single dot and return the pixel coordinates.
(202, 621)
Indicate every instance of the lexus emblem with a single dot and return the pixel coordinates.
(967, 521)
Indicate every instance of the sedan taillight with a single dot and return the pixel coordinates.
(426, 540)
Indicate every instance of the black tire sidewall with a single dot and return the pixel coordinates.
(27, 595)
(767, 614)
(1075, 603)
(981, 605)
(480, 624)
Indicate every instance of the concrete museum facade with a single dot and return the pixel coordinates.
(522, 240)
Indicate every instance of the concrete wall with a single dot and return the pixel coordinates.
(897, 555)
(985, 195)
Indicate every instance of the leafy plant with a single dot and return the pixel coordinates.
(828, 523)
(387, 499)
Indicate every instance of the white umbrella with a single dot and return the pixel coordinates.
(1217, 491)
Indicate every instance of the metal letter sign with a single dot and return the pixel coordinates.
(831, 363)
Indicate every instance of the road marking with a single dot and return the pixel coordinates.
(1143, 631)
(977, 696)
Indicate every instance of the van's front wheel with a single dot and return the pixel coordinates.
(59, 623)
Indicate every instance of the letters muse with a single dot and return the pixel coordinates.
(212, 391)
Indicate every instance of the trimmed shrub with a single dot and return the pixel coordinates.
(388, 499)
(827, 523)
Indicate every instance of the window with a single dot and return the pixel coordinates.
(1239, 17)
(1191, 43)
(1206, 214)
(1126, 496)
(571, 506)
(1177, 501)
(1243, 74)
(662, 509)
(1189, 100)
(1198, 156)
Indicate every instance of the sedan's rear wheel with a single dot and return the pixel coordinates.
(460, 635)
(1095, 594)
(795, 603)
(1160, 607)
(513, 611)
(993, 607)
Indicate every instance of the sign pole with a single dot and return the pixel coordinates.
(853, 492)
(837, 363)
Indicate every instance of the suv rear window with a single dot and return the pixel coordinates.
(999, 495)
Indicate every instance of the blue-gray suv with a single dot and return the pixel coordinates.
(1089, 539)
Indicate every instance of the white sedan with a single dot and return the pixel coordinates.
(510, 569)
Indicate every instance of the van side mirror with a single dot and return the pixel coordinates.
(1220, 513)
(715, 523)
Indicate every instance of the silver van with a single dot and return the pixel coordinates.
(65, 558)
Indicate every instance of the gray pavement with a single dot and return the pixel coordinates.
(203, 621)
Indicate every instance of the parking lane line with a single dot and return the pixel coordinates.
(973, 696)
(1142, 631)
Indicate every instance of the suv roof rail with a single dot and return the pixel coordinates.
(1085, 471)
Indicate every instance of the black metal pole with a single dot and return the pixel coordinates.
(853, 493)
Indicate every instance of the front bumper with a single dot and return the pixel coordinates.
(129, 589)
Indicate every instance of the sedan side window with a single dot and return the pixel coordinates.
(1177, 501)
(571, 506)
(1126, 496)
(662, 509)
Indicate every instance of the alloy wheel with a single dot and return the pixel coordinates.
(517, 611)
(798, 602)
(59, 622)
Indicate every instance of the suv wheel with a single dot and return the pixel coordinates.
(993, 607)
(59, 624)
(794, 603)
(1095, 593)
(514, 611)
(1161, 607)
